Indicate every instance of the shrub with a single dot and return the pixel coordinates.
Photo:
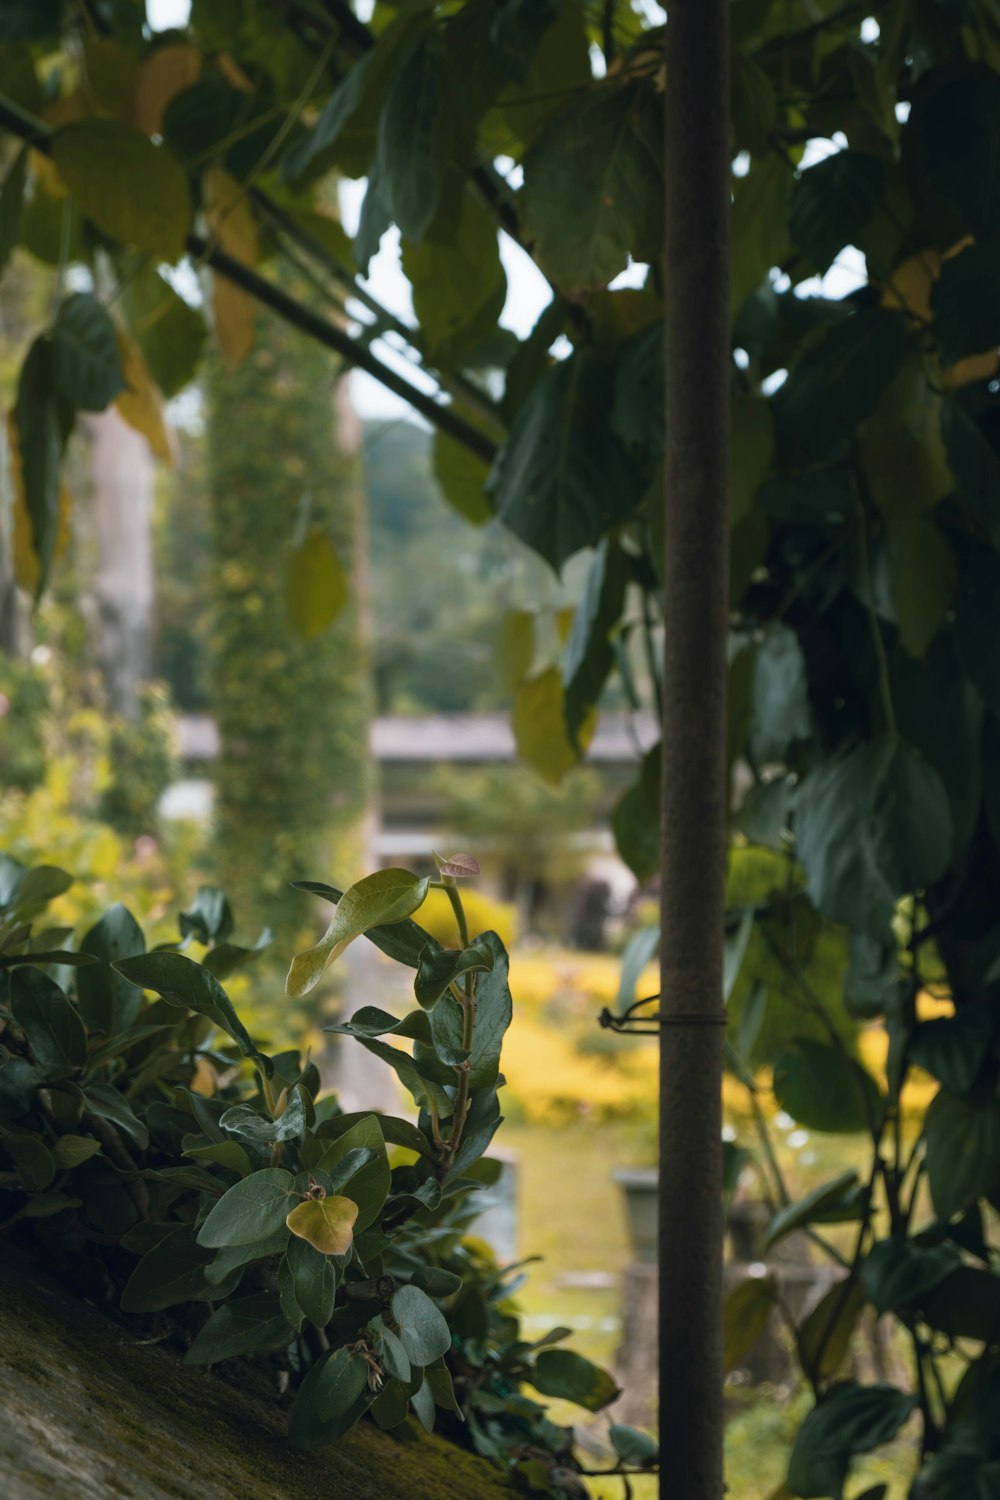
(153, 1153)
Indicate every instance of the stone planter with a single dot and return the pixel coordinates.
(638, 1184)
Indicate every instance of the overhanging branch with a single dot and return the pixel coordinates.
(29, 128)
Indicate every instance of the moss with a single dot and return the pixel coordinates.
(294, 775)
(125, 1419)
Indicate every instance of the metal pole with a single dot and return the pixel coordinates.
(696, 590)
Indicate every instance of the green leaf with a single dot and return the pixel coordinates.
(833, 1202)
(954, 1048)
(752, 451)
(327, 1223)
(563, 479)
(898, 1273)
(850, 1419)
(32, 1160)
(249, 1325)
(837, 384)
(369, 1184)
(831, 204)
(593, 185)
(589, 651)
(636, 830)
(50, 1022)
(963, 1151)
(974, 463)
(965, 303)
(567, 1375)
(924, 579)
(315, 584)
(902, 449)
(461, 476)
(940, 712)
(516, 29)
(229, 1154)
(210, 919)
(425, 1087)
(336, 112)
(633, 1447)
(825, 1334)
(135, 192)
(170, 1273)
(781, 709)
(746, 1312)
(189, 986)
(40, 426)
(342, 1380)
(70, 1150)
(872, 825)
(406, 153)
(540, 727)
(457, 282)
(421, 1327)
(494, 1012)
(105, 1101)
(170, 333)
(638, 407)
(395, 1131)
(85, 356)
(443, 967)
(977, 623)
(315, 1278)
(951, 143)
(824, 1090)
(108, 1002)
(759, 225)
(436, 1282)
(403, 941)
(251, 1210)
(966, 1305)
(386, 897)
(307, 1429)
(248, 1124)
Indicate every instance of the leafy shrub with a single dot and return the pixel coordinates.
(155, 1155)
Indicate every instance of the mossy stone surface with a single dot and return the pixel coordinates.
(92, 1414)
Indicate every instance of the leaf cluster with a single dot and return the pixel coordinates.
(149, 1148)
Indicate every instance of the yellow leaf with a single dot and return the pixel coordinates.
(140, 403)
(315, 585)
(540, 726)
(166, 73)
(908, 289)
(203, 1082)
(66, 110)
(902, 450)
(26, 569)
(326, 1223)
(231, 226)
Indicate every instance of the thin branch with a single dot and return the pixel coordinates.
(283, 223)
(28, 128)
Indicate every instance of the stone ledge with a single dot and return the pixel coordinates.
(90, 1414)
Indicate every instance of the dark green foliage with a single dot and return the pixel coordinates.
(254, 1196)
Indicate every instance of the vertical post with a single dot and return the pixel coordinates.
(696, 590)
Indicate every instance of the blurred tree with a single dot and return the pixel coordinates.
(291, 686)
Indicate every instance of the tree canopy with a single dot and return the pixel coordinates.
(865, 647)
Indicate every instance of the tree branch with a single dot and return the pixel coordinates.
(28, 128)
